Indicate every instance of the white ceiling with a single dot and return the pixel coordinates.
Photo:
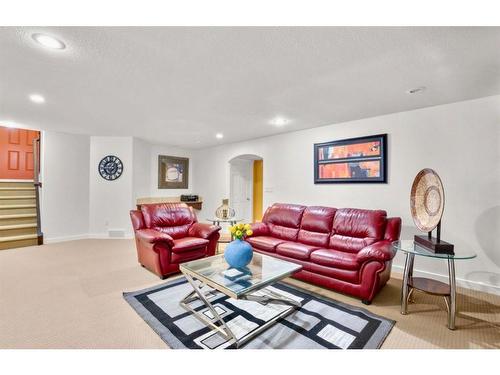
(181, 85)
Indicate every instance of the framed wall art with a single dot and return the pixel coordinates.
(362, 159)
(173, 172)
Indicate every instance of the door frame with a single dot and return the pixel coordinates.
(250, 157)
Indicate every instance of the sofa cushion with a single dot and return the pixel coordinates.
(265, 243)
(188, 243)
(359, 223)
(177, 217)
(335, 259)
(316, 226)
(349, 244)
(353, 229)
(295, 250)
(283, 220)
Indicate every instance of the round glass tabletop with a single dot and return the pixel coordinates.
(214, 219)
(409, 246)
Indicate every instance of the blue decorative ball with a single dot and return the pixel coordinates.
(238, 253)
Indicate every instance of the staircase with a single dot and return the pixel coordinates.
(18, 215)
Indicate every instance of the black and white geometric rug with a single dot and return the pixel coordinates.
(320, 322)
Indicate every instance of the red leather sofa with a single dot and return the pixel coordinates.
(347, 250)
(168, 234)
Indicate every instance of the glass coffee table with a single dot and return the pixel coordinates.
(213, 273)
(430, 286)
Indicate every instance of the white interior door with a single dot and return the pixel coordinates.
(241, 188)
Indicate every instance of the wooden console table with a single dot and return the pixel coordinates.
(152, 200)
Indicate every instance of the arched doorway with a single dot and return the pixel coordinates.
(246, 186)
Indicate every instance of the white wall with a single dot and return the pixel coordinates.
(110, 201)
(65, 189)
(170, 151)
(460, 141)
(141, 172)
(78, 203)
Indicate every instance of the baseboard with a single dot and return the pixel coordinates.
(93, 236)
(467, 284)
(105, 236)
(65, 238)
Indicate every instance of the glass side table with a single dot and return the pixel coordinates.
(435, 287)
(217, 221)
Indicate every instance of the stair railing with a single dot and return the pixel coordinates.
(38, 185)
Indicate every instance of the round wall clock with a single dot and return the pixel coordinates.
(110, 167)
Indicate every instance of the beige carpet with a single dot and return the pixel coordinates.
(69, 295)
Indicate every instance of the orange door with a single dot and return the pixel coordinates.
(16, 153)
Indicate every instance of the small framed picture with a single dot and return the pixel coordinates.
(351, 160)
(173, 172)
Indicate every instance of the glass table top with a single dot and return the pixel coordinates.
(215, 219)
(262, 271)
(410, 246)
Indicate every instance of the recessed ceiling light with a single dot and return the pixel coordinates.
(416, 90)
(219, 136)
(37, 98)
(279, 121)
(48, 41)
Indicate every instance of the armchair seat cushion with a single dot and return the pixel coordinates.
(188, 243)
(335, 259)
(295, 250)
(265, 243)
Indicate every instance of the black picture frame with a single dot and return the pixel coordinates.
(381, 158)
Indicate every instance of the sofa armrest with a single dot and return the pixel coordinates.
(137, 219)
(259, 229)
(153, 236)
(380, 251)
(203, 230)
(392, 229)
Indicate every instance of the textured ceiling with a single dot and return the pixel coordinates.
(181, 85)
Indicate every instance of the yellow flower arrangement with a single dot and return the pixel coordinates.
(241, 231)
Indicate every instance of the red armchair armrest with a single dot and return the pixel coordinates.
(203, 230)
(380, 251)
(137, 219)
(259, 229)
(153, 236)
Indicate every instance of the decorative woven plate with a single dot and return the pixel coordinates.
(427, 200)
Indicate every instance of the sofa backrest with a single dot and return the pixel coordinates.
(353, 229)
(283, 220)
(316, 225)
(174, 219)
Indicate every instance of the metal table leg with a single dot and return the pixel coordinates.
(408, 273)
(452, 307)
(222, 327)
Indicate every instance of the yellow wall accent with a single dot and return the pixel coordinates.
(258, 189)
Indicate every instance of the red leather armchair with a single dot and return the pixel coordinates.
(347, 250)
(168, 234)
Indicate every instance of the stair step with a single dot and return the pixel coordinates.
(9, 184)
(16, 188)
(14, 206)
(9, 230)
(17, 216)
(17, 219)
(9, 197)
(12, 209)
(18, 238)
(17, 226)
(18, 241)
